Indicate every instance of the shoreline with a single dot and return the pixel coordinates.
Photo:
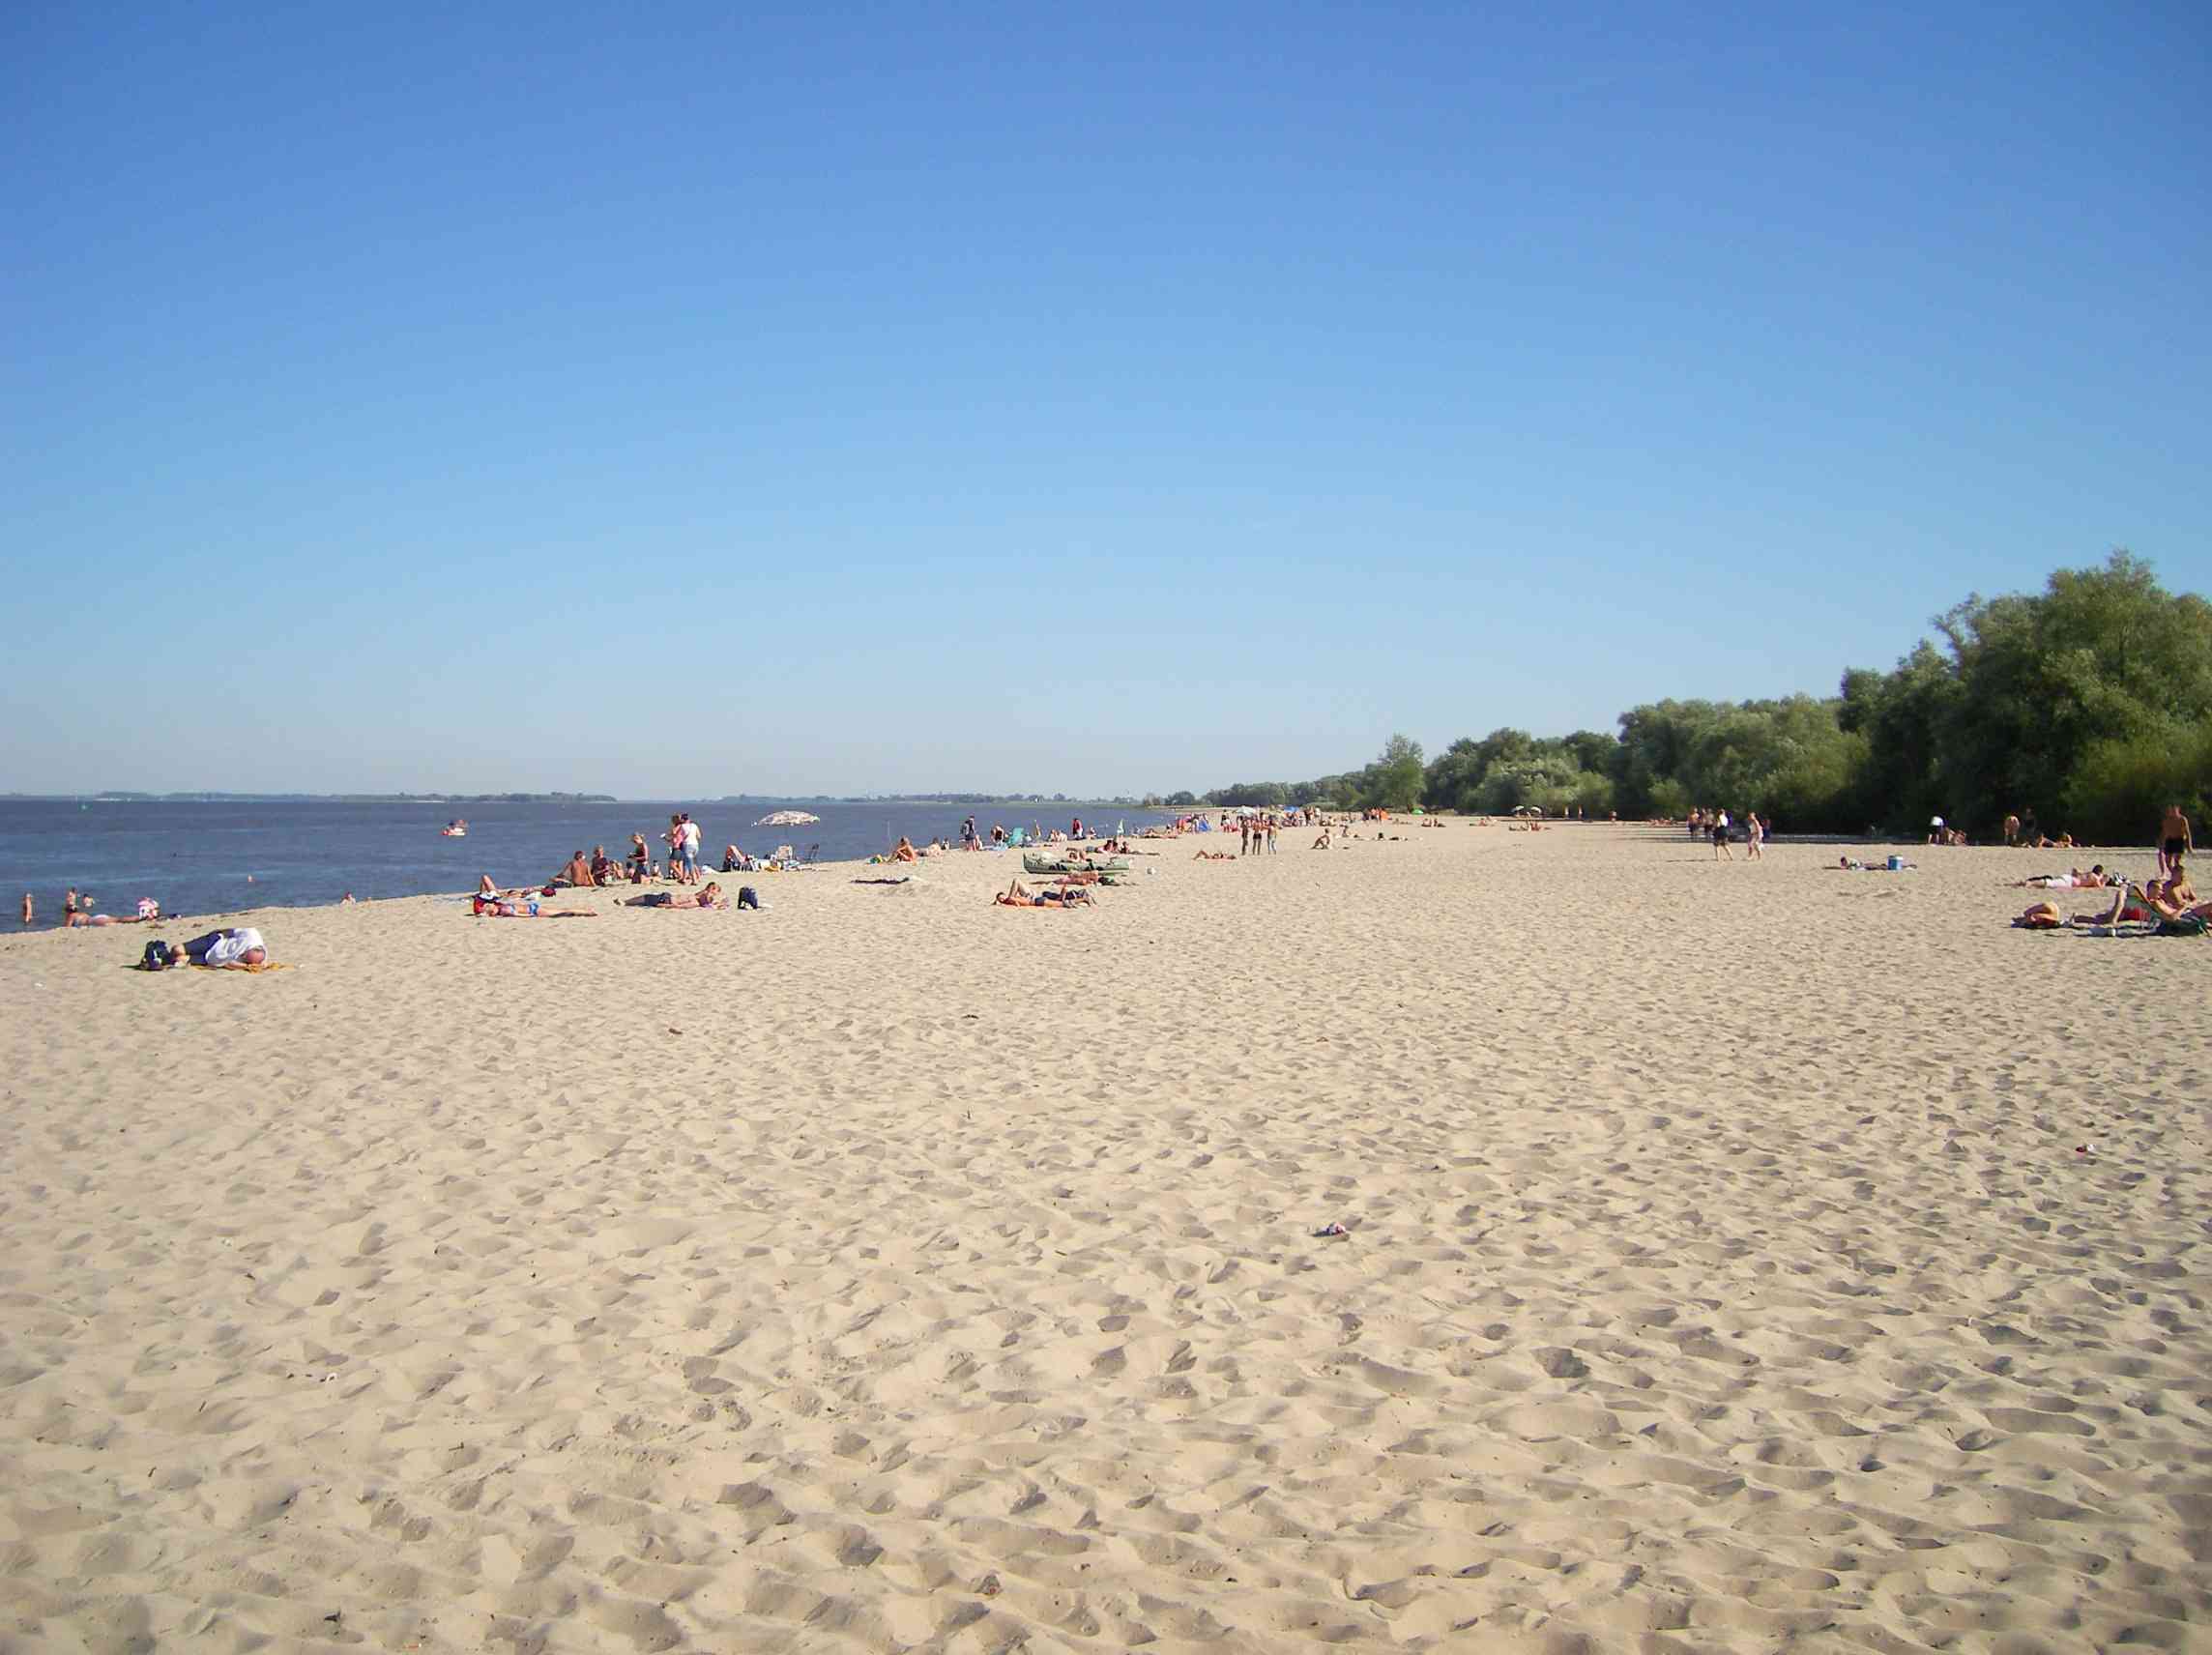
(11, 926)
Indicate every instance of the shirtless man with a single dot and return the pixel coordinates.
(578, 873)
(2173, 841)
(710, 895)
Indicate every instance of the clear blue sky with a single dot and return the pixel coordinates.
(1093, 399)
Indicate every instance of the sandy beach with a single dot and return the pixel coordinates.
(1737, 1258)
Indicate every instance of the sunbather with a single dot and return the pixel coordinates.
(240, 948)
(2162, 901)
(710, 895)
(2096, 878)
(1019, 895)
(501, 907)
(904, 851)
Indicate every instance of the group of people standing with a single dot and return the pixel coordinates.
(1716, 825)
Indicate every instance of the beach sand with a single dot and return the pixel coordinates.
(1740, 1258)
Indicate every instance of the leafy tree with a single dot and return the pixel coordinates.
(2103, 655)
(1393, 781)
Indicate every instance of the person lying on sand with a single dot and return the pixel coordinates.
(709, 896)
(240, 948)
(2073, 878)
(1211, 856)
(1019, 895)
(2148, 904)
(2162, 901)
(522, 905)
(82, 917)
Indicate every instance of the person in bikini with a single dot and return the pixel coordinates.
(2171, 899)
(1019, 895)
(504, 907)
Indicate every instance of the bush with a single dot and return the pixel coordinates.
(2121, 788)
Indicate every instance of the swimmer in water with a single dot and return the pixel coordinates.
(27, 908)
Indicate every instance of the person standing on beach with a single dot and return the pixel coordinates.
(1754, 835)
(1721, 852)
(2011, 831)
(2173, 842)
(690, 850)
(28, 910)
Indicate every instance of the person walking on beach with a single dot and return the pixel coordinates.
(1754, 835)
(1721, 852)
(690, 850)
(2173, 843)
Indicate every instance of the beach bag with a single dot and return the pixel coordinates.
(2188, 926)
(747, 897)
(158, 957)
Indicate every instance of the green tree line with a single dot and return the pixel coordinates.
(2088, 704)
